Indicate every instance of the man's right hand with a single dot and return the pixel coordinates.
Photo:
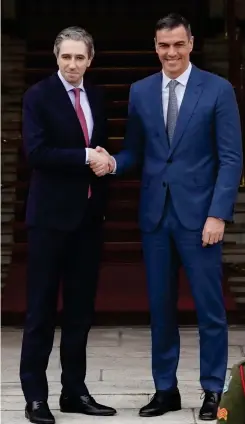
(95, 162)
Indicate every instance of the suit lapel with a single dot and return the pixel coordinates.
(156, 107)
(192, 94)
(66, 108)
(64, 104)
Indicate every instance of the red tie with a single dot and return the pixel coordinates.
(82, 121)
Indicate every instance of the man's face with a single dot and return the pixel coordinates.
(73, 60)
(173, 48)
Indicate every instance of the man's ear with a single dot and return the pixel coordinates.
(155, 43)
(191, 43)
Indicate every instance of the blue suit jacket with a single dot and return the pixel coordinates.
(55, 148)
(202, 168)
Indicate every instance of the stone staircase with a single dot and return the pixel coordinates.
(215, 59)
(234, 252)
(122, 255)
(13, 85)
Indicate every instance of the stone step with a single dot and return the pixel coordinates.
(8, 198)
(11, 116)
(233, 258)
(231, 248)
(13, 79)
(11, 98)
(8, 194)
(13, 58)
(234, 238)
(15, 66)
(10, 147)
(6, 258)
(10, 168)
(240, 300)
(9, 177)
(238, 279)
(235, 228)
(7, 239)
(9, 50)
(11, 107)
(4, 274)
(240, 207)
(237, 289)
(9, 83)
(12, 40)
(8, 208)
(9, 91)
(239, 218)
(7, 218)
(241, 197)
(9, 158)
(11, 134)
(7, 228)
(11, 126)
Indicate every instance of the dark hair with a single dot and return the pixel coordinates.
(171, 21)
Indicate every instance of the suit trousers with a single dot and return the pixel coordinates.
(164, 250)
(70, 258)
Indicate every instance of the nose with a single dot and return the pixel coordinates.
(72, 64)
(171, 51)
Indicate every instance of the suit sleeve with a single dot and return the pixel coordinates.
(131, 154)
(39, 154)
(229, 149)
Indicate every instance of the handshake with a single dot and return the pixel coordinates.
(100, 161)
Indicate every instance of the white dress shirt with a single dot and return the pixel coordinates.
(84, 105)
(179, 90)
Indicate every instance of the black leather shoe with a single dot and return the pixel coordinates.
(85, 404)
(38, 412)
(209, 409)
(162, 402)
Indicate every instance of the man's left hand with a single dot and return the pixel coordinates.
(213, 231)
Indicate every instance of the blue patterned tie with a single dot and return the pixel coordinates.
(172, 114)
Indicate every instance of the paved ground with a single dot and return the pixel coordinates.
(119, 374)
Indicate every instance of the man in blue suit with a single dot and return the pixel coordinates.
(63, 121)
(184, 127)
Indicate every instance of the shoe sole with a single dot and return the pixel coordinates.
(161, 413)
(207, 419)
(109, 414)
(37, 422)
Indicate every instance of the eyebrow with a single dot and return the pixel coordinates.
(71, 54)
(177, 42)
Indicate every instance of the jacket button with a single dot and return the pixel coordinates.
(169, 161)
(164, 184)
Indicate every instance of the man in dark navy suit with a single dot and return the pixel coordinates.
(184, 127)
(63, 122)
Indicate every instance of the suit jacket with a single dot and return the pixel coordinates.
(202, 167)
(55, 148)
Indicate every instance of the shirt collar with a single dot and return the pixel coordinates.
(182, 79)
(67, 85)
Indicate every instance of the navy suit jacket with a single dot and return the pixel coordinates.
(55, 148)
(203, 165)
